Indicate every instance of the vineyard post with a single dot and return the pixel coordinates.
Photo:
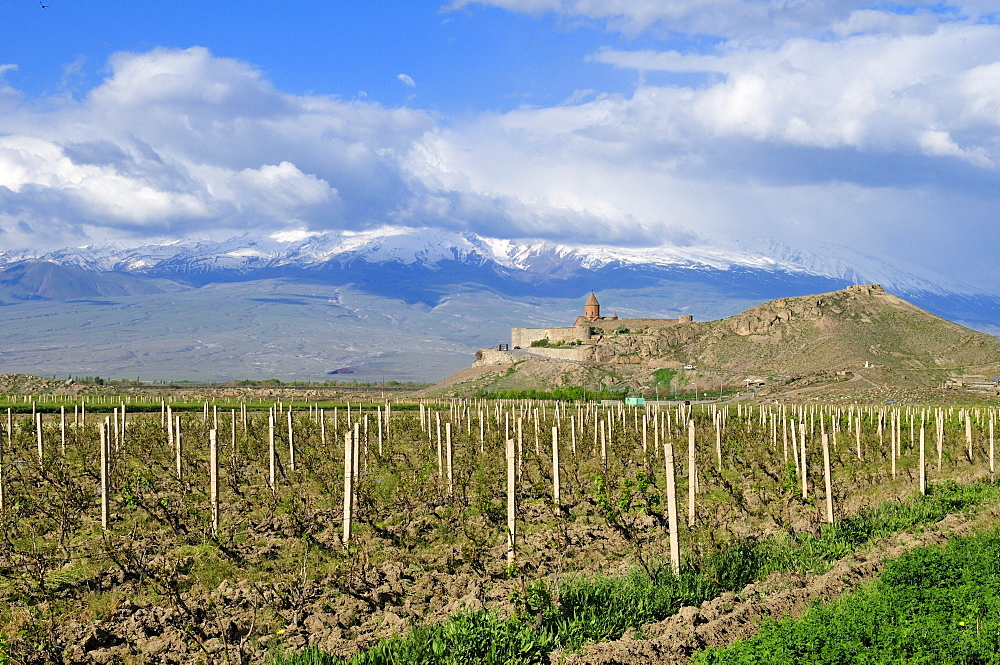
(675, 549)
(692, 472)
(104, 475)
(355, 459)
(923, 466)
(511, 503)
(718, 440)
(322, 428)
(805, 467)
(440, 444)
(940, 441)
(62, 431)
(179, 447)
(272, 462)
(447, 432)
(291, 441)
(645, 443)
(968, 435)
(213, 482)
(857, 436)
(992, 446)
(348, 485)
(2, 448)
(827, 477)
(170, 427)
(892, 443)
(555, 465)
(380, 425)
(604, 446)
(520, 448)
(38, 430)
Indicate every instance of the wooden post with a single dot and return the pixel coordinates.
(213, 478)
(857, 436)
(348, 485)
(170, 427)
(440, 445)
(179, 446)
(555, 465)
(675, 550)
(38, 430)
(827, 478)
(718, 440)
(104, 475)
(923, 464)
(604, 446)
(968, 435)
(3, 446)
(62, 431)
(692, 472)
(291, 441)
(448, 453)
(892, 443)
(992, 446)
(804, 465)
(272, 462)
(380, 425)
(511, 503)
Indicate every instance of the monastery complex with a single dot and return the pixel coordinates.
(591, 327)
(593, 338)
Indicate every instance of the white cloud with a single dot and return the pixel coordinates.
(406, 80)
(176, 141)
(744, 20)
(880, 128)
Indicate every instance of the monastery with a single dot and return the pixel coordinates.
(591, 327)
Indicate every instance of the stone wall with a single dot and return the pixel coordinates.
(523, 337)
(486, 357)
(579, 353)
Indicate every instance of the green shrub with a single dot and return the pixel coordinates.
(933, 605)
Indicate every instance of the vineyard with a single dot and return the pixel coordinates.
(470, 530)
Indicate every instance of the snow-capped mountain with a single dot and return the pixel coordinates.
(431, 248)
(397, 302)
(419, 265)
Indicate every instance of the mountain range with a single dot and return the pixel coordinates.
(401, 303)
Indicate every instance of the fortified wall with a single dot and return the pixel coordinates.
(589, 328)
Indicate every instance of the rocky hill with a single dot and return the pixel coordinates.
(858, 330)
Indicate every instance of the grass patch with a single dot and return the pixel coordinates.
(933, 605)
(596, 608)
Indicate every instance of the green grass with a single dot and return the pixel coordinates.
(596, 608)
(933, 605)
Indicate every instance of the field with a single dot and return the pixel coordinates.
(168, 552)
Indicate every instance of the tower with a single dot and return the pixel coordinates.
(592, 310)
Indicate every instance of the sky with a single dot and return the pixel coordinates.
(871, 125)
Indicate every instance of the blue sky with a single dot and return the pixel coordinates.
(871, 125)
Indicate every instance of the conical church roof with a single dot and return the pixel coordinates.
(592, 300)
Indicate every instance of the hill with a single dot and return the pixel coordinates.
(858, 331)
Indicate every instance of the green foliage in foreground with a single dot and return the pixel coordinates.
(597, 608)
(564, 394)
(933, 605)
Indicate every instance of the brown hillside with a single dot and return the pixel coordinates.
(842, 330)
(789, 337)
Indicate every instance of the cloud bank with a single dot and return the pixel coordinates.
(873, 125)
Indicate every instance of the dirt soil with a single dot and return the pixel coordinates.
(732, 617)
